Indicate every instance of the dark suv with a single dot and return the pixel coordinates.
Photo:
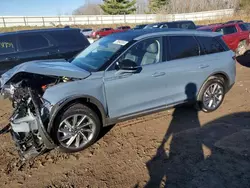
(186, 24)
(22, 46)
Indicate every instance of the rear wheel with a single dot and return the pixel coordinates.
(212, 94)
(76, 128)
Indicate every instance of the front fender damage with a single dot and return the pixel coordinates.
(31, 114)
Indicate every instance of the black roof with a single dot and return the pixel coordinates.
(39, 30)
(132, 34)
(179, 21)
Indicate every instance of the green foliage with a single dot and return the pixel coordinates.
(158, 5)
(115, 7)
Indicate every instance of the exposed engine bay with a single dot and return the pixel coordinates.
(29, 120)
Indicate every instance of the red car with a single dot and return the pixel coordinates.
(236, 35)
(123, 28)
(102, 32)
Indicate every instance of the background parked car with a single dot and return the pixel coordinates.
(122, 28)
(102, 32)
(86, 32)
(141, 26)
(236, 35)
(22, 46)
(175, 24)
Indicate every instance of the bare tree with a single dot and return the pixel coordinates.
(180, 6)
(88, 9)
(184, 6)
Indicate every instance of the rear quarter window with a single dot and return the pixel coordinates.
(243, 27)
(7, 44)
(210, 45)
(227, 30)
(69, 38)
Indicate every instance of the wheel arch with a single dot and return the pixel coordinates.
(216, 74)
(89, 101)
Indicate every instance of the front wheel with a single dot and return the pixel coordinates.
(76, 128)
(212, 94)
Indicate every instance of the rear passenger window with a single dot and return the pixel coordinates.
(32, 42)
(227, 30)
(68, 38)
(183, 46)
(209, 45)
(243, 27)
(7, 45)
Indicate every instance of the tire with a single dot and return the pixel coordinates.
(71, 138)
(204, 100)
(241, 49)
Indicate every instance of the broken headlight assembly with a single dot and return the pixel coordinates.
(26, 122)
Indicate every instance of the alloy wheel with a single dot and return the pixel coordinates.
(76, 131)
(213, 96)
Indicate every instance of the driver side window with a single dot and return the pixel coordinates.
(145, 52)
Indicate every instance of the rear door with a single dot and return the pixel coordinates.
(33, 46)
(8, 52)
(185, 68)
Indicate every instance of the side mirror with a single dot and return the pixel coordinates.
(127, 65)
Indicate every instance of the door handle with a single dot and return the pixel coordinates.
(157, 74)
(203, 66)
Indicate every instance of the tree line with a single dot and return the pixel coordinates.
(115, 7)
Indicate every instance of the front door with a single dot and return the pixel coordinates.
(129, 93)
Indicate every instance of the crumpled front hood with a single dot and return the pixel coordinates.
(46, 67)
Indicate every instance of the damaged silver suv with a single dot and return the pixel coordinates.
(121, 76)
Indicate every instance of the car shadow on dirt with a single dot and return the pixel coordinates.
(213, 155)
(244, 60)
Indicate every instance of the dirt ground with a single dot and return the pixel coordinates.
(176, 148)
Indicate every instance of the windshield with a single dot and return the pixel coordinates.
(98, 53)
